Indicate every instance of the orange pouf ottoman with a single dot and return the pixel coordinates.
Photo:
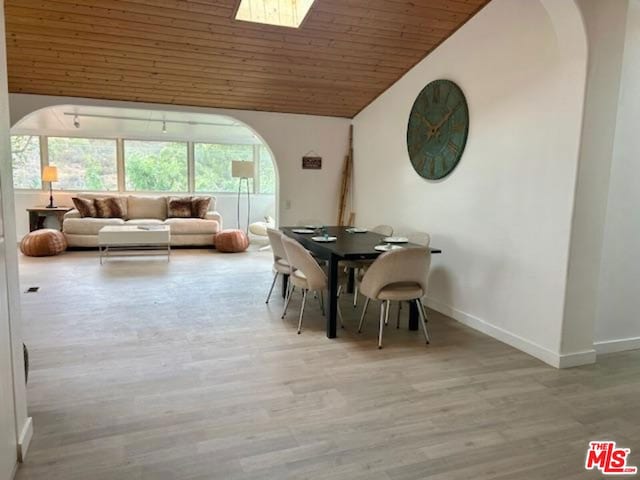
(231, 241)
(43, 243)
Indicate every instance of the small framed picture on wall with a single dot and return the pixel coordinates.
(311, 163)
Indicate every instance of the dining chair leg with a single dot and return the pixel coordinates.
(321, 299)
(386, 313)
(382, 315)
(275, 277)
(355, 288)
(288, 299)
(424, 311)
(422, 320)
(304, 300)
(398, 318)
(364, 312)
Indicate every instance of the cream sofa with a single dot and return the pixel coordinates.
(143, 210)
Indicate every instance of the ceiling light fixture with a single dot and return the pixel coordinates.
(282, 13)
(76, 122)
(152, 120)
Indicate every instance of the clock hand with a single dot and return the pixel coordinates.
(431, 127)
(446, 117)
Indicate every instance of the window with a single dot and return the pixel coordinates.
(283, 13)
(212, 164)
(141, 166)
(266, 172)
(155, 166)
(25, 154)
(84, 163)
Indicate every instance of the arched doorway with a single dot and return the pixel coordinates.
(135, 150)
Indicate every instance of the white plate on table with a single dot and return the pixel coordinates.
(357, 230)
(313, 227)
(302, 230)
(396, 239)
(324, 239)
(386, 248)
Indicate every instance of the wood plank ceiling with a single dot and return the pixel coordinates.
(193, 52)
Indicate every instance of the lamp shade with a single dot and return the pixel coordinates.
(240, 169)
(50, 174)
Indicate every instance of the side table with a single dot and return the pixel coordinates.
(37, 216)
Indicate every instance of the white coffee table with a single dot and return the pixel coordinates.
(119, 238)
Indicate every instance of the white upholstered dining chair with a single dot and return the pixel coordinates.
(280, 264)
(422, 239)
(358, 265)
(305, 273)
(399, 275)
(385, 230)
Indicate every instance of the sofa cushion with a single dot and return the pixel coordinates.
(200, 206)
(85, 206)
(88, 225)
(144, 221)
(179, 207)
(110, 207)
(192, 226)
(147, 207)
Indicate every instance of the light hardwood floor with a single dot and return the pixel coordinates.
(146, 370)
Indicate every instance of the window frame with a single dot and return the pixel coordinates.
(47, 161)
(121, 166)
(254, 158)
(42, 165)
(123, 172)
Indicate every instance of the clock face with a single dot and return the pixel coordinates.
(438, 129)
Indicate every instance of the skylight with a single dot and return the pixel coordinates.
(284, 13)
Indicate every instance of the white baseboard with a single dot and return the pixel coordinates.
(576, 359)
(619, 345)
(25, 439)
(552, 358)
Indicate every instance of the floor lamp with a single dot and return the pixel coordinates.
(243, 171)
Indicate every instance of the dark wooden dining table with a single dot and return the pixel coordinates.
(348, 246)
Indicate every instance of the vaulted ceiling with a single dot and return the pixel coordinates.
(193, 52)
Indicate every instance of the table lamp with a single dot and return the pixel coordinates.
(50, 174)
(243, 171)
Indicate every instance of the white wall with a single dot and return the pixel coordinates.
(503, 217)
(605, 23)
(15, 426)
(226, 205)
(303, 193)
(618, 322)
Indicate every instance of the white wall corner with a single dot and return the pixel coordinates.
(549, 357)
(25, 439)
(576, 359)
(618, 345)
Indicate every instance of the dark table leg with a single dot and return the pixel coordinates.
(351, 279)
(33, 221)
(285, 283)
(414, 317)
(333, 297)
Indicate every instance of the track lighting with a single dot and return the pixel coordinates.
(76, 122)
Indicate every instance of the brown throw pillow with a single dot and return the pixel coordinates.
(200, 206)
(85, 206)
(179, 207)
(109, 207)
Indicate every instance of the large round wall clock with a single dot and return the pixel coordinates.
(438, 129)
